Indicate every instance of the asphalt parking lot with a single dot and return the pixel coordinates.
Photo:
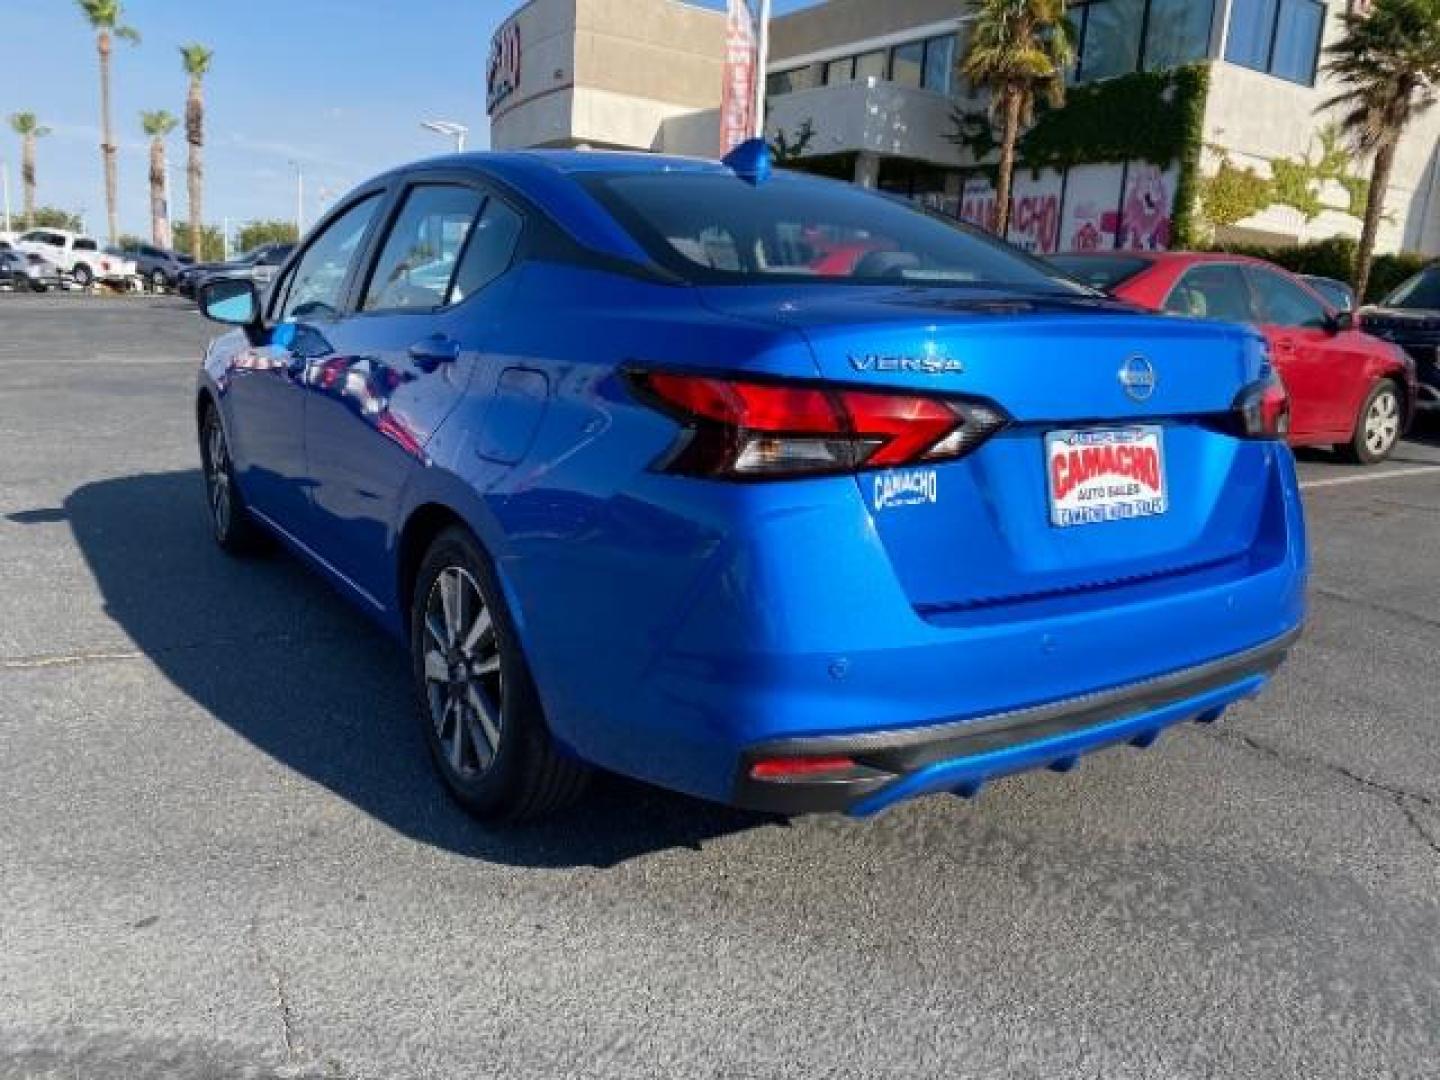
(223, 852)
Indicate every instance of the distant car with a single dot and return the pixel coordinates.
(158, 267)
(259, 265)
(21, 270)
(1410, 318)
(1347, 389)
(1337, 294)
(639, 486)
(82, 257)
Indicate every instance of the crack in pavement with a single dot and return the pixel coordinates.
(276, 976)
(1365, 602)
(105, 656)
(1402, 798)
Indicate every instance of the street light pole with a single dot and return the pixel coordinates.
(5, 183)
(299, 198)
(450, 129)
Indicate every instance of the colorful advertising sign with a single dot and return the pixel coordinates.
(737, 92)
(1035, 211)
(977, 203)
(1092, 208)
(1145, 215)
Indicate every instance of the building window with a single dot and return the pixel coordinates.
(940, 64)
(907, 64)
(840, 71)
(1111, 43)
(1177, 32)
(1117, 37)
(1280, 37)
(787, 82)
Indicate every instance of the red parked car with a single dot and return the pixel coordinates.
(1347, 389)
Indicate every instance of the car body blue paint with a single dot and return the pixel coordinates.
(672, 622)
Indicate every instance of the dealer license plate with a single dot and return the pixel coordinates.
(1105, 474)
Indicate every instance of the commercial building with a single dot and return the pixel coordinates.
(1185, 118)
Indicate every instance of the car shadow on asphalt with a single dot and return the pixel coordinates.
(269, 651)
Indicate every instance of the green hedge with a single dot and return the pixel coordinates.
(1336, 259)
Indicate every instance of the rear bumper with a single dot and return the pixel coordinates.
(963, 755)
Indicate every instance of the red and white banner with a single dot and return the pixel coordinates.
(737, 92)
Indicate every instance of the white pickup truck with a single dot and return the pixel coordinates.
(80, 256)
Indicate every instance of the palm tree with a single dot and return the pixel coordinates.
(1017, 49)
(196, 59)
(104, 18)
(157, 125)
(1389, 63)
(29, 129)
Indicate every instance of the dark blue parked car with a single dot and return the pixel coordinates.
(649, 478)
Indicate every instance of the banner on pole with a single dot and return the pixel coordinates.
(737, 91)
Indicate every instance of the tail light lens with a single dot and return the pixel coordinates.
(1263, 409)
(744, 428)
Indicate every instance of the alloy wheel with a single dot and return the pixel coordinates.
(464, 684)
(1382, 423)
(217, 476)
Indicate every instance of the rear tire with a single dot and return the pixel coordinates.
(158, 281)
(1378, 427)
(230, 523)
(476, 700)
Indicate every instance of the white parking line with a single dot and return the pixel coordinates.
(1370, 478)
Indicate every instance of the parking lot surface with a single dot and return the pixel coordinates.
(223, 851)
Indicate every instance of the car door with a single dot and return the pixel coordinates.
(1323, 369)
(266, 384)
(423, 312)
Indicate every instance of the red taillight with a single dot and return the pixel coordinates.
(749, 428)
(1264, 409)
(798, 768)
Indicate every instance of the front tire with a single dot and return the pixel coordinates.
(230, 523)
(158, 281)
(82, 275)
(476, 700)
(1378, 427)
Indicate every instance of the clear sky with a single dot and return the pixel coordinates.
(338, 86)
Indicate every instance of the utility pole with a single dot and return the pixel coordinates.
(225, 239)
(762, 58)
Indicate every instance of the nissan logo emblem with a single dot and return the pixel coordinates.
(1137, 376)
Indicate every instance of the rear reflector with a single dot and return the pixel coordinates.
(750, 428)
(801, 768)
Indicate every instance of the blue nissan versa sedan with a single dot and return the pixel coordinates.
(760, 487)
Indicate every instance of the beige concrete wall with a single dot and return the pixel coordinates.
(1257, 118)
(663, 50)
(840, 23)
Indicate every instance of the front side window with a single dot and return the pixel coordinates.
(87, 245)
(316, 288)
(1281, 302)
(418, 261)
(717, 228)
(1216, 291)
(1421, 291)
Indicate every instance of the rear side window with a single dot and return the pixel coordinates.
(317, 285)
(716, 228)
(86, 245)
(490, 250)
(1282, 302)
(1216, 291)
(417, 264)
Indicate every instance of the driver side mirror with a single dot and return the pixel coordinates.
(233, 301)
(1340, 321)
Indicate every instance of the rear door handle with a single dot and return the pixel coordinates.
(433, 351)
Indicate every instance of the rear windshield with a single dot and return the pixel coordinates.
(1421, 291)
(714, 228)
(1102, 272)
